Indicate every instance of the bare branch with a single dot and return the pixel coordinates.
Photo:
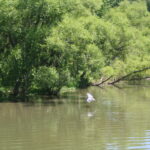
(102, 82)
(124, 77)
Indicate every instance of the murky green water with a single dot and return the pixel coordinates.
(118, 120)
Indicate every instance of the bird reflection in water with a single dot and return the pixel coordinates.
(91, 114)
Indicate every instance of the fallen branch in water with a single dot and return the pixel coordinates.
(122, 78)
(102, 82)
(126, 76)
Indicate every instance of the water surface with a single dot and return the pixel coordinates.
(118, 120)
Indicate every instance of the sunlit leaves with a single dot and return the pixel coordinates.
(74, 48)
(46, 78)
(48, 44)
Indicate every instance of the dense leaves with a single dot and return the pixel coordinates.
(148, 4)
(49, 44)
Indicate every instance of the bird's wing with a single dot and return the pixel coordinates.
(89, 95)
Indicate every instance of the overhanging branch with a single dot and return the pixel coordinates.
(126, 76)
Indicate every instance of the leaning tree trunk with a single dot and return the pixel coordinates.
(102, 82)
(126, 76)
(121, 78)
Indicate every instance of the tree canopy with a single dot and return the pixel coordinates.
(49, 44)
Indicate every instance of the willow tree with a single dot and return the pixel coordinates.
(24, 27)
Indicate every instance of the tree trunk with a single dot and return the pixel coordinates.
(102, 82)
(126, 76)
(17, 87)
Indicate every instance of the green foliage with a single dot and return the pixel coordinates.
(74, 50)
(106, 5)
(50, 44)
(107, 71)
(46, 79)
(148, 4)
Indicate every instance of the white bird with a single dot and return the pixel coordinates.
(90, 98)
